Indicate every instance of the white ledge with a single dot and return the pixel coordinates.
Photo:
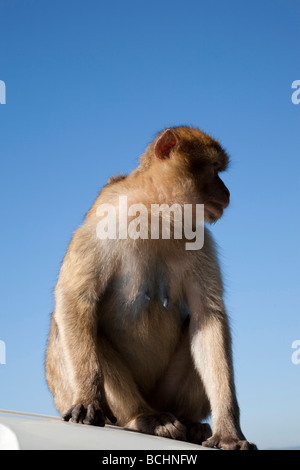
(29, 431)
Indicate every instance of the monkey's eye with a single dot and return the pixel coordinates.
(197, 165)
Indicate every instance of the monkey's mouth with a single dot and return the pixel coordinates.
(213, 210)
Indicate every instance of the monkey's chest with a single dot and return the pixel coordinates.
(136, 294)
(147, 290)
(143, 312)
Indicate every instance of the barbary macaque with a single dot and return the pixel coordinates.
(139, 335)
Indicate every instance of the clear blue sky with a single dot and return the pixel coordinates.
(88, 85)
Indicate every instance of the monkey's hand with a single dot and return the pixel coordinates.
(228, 443)
(159, 424)
(92, 414)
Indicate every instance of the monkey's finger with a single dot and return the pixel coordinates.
(68, 414)
(100, 418)
(90, 415)
(78, 413)
(94, 416)
(110, 415)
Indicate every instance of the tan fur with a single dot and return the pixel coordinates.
(121, 343)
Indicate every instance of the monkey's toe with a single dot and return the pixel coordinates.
(159, 424)
(168, 426)
(198, 432)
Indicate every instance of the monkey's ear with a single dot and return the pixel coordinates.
(166, 142)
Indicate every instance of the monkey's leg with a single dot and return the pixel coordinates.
(58, 381)
(181, 392)
(119, 383)
(56, 373)
(126, 401)
(63, 389)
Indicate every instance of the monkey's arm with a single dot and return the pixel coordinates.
(76, 297)
(211, 351)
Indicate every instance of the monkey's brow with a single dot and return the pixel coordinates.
(222, 159)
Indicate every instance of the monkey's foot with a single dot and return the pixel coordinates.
(90, 415)
(228, 443)
(159, 424)
(198, 432)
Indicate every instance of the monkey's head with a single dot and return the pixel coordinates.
(190, 162)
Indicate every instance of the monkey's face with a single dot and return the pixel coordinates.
(195, 159)
(214, 193)
(207, 188)
(216, 198)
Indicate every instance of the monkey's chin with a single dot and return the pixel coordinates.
(212, 212)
